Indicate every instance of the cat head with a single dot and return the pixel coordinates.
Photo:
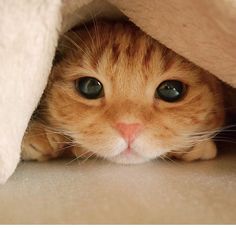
(123, 96)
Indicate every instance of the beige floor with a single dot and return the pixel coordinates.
(101, 192)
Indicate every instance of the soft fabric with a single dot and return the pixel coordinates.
(202, 31)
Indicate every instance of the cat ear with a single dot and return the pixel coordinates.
(60, 51)
(65, 44)
(57, 58)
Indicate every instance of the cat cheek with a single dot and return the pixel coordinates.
(104, 146)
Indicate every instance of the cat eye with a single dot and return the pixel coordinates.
(89, 87)
(170, 90)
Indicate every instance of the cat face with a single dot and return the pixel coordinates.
(123, 96)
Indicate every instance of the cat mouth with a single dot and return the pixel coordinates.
(128, 156)
(127, 152)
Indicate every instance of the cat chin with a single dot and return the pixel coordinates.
(132, 158)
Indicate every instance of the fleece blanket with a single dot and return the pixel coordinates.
(200, 30)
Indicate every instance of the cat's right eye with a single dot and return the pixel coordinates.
(89, 87)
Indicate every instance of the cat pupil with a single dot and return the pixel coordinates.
(170, 90)
(89, 87)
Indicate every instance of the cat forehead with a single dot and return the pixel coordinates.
(120, 43)
(114, 49)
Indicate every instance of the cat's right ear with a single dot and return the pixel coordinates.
(57, 58)
(63, 47)
(60, 52)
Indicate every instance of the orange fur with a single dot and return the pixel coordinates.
(130, 65)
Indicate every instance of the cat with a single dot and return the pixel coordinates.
(116, 93)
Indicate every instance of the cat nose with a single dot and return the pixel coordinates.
(129, 131)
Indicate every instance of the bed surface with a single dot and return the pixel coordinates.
(100, 192)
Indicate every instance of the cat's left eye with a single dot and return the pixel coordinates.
(170, 90)
(89, 87)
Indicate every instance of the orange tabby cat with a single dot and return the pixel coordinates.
(118, 94)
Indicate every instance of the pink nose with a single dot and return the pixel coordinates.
(129, 131)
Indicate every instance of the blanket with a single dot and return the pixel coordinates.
(202, 31)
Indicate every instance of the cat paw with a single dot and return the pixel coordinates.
(33, 150)
(202, 151)
(40, 145)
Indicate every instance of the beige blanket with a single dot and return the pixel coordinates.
(204, 31)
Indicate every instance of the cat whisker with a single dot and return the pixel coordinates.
(65, 142)
(89, 34)
(76, 45)
(77, 157)
(81, 40)
(87, 158)
(167, 158)
(223, 140)
(218, 130)
(67, 147)
(65, 46)
(162, 158)
(93, 17)
(97, 36)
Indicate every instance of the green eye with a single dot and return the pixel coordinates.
(89, 87)
(170, 90)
